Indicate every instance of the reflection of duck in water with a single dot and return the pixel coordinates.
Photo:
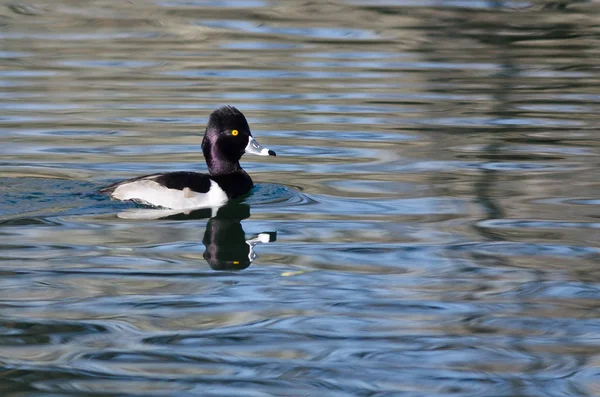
(226, 244)
(224, 238)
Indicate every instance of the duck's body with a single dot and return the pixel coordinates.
(226, 139)
(180, 190)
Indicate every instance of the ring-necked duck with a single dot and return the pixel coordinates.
(226, 139)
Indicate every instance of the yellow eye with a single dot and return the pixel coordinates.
(235, 262)
(234, 132)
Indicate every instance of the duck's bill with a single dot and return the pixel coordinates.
(256, 148)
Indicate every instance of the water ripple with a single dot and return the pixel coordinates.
(427, 227)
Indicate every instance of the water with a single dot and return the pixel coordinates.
(428, 228)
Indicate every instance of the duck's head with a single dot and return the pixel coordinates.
(227, 138)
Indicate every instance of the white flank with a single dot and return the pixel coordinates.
(150, 192)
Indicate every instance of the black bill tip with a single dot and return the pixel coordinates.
(272, 153)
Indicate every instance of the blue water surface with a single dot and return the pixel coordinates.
(428, 228)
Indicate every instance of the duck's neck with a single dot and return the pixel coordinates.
(222, 168)
(217, 163)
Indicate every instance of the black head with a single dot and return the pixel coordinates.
(226, 139)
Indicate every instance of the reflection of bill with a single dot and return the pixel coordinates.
(224, 238)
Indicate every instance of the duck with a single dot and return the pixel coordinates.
(226, 139)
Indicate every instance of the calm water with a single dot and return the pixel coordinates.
(428, 228)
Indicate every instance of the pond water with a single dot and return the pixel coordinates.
(428, 228)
